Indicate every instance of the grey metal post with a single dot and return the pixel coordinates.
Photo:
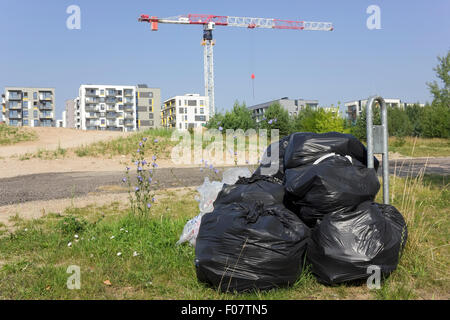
(378, 142)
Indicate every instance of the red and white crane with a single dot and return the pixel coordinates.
(210, 21)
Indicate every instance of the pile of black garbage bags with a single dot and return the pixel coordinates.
(316, 209)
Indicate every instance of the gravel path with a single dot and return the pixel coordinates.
(48, 186)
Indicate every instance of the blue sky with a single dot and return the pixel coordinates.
(112, 47)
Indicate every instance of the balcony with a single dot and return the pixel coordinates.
(91, 93)
(110, 108)
(15, 96)
(45, 96)
(128, 93)
(46, 115)
(91, 123)
(91, 100)
(128, 108)
(111, 93)
(111, 115)
(110, 100)
(128, 101)
(45, 107)
(14, 106)
(128, 116)
(92, 109)
(15, 115)
(128, 123)
(110, 122)
(92, 115)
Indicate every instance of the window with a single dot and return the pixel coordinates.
(192, 103)
(185, 102)
(202, 110)
(185, 110)
(195, 110)
(179, 102)
(150, 115)
(102, 121)
(35, 95)
(25, 94)
(102, 92)
(200, 118)
(35, 114)
(35, 103)
(180, 125)
(150, 101)
(185, 118)
(25, 113)
(120, 107)
(36, 123)
(202, 102)
(180, 110)
(25, 122)
(25, 104)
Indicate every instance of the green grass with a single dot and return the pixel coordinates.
(11, 135)
(45, 154)
(420, 147)
(35, 257)
(129, 144)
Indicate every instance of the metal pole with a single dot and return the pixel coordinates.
(383, 149)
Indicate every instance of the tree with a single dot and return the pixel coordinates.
(240, 117)
(441, 95)
(398, 122)
(415, 114)
(319, 121)
(275, 117)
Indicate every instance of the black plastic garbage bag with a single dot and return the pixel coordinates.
(267, 161)
(256, 188)
(306, 147)
(243, 246)
(336, 184)
(344, 245)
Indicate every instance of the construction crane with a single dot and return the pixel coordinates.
(210, 21)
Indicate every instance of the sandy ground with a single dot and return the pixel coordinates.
(51, 138)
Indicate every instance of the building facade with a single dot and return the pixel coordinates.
(185, 112)
(33, 107)
(106, 107)
(148, 103)
(69, 113)
(355, 107)
(293, 106)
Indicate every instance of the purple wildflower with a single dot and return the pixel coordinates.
(144, 139)
(139, 168)
(140, 144)
(138, 150)
(128, 168)
(124, 180)
(270, 121)
(136, 189)
(216, 171)
(153, 199)
(154, 158)
(149, 205)
(150, 179)
(211, 166)
(144, 162)
(220, 128)
(136, 162)
(155, 141)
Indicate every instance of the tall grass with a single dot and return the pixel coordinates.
(11, 135)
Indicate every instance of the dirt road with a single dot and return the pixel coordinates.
(47, 186)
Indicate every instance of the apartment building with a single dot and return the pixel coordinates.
(148, 103)
(3, 108)
(293, 106)
(355, 107)
(25, 106)
(106, 107)
(185, 112)
(69, 114)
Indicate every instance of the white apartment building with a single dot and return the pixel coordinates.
(184, 112)
(355, 107)
(106, 107)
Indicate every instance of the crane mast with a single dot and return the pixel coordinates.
(210, 21)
